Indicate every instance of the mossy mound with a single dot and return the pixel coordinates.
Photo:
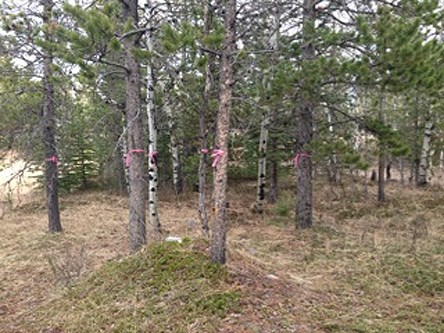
(166, 288)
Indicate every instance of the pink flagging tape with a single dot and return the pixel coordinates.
(128, 155)
(298, 156)
(53, 159)
(216, 155)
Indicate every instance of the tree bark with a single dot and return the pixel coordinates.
(152, 129)
(135, 156)
(219, 232)
(304, 187)
(48, 123)
(262, 164)
(173, 145)
(425, 153)
(381, 160)
(203, 135)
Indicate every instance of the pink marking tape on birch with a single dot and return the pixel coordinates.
(216, 155)
(297, 158)
(128, 155)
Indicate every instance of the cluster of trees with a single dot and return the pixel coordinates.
(138, 94)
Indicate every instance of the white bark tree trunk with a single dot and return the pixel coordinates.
(425, 154)
(173, 146)
(152, 128)
(262, 164)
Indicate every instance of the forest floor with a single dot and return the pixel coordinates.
(361, 268)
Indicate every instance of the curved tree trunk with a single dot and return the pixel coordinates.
(135, 157)
(48, 123)
(219, 232)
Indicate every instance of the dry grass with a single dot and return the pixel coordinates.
(362, 268)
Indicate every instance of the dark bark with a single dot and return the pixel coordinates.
(381, 161)
(219, 232)
(137, 195)
(48, 122)
(304, 188)
(203, 216)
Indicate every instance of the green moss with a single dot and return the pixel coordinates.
(167, 287)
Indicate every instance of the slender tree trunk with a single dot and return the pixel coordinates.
(173, 146)
(263, 139)
(414, 173)
(203, 134)
(332, 159)
(48, 122)
(381, 161)
(262, 164)
(152, 129)
(219, 232)
(425, 153)
(304, 187)
(135, 154)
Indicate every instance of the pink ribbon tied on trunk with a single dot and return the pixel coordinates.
(216, 155)
(128, 155)
(298, 156)
(204, 151)
(53, 159)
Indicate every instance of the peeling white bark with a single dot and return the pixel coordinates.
(425, 153)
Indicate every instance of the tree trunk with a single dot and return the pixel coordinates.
(152, 129)
(203, 135)
(304, 188)
(425, 153)
(219, 232)
(262, 164)
(333, 174)
(173, 146)
(381, 161)
(263, 139)
(135, 154)
(48, 122)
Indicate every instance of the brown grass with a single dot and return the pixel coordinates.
(362, 268)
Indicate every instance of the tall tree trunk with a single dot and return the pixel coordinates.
(173, 145)
(152, 129)
(273, 192)
(262, 164)
(381, 161)
(304, 188)
(219, 232)
(333, 175)
(203, 134)
(48, 122)
(135, 154)
(425, 154)
(263, 139)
